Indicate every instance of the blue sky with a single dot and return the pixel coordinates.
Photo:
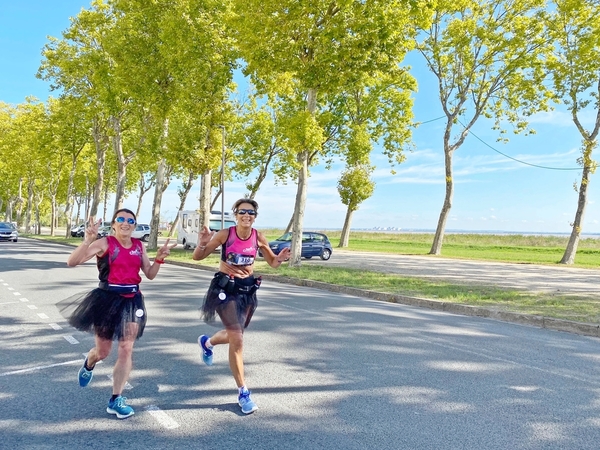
(492, 192)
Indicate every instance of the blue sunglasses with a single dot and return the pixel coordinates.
(130, 221)
(251, 212)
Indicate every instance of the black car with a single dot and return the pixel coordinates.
(8, 232)
(313, 244)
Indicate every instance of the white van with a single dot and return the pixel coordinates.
(189, 226)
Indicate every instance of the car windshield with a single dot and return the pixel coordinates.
(287, 237)
(7, 225)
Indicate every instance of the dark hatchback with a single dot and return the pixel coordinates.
(8, 232)
(313, 244)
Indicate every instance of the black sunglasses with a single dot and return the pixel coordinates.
(252, 212)
(130, 221)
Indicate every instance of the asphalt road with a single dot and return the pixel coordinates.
(327, 370)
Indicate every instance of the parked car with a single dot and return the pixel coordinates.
(142, 231)
(78, 231)
(8, 232)
(104, 231)
(313, 244)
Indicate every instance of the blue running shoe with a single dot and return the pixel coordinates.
(120, 408)
(85, 376)
(244, 400)
(207, 353)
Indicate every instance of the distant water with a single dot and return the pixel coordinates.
(454, 231)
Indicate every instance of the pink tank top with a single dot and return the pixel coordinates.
(240, 252)
(125, 263)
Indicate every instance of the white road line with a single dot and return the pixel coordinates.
(32, 306)
(162, 417)
(71, 339)
(43, 316)
(10, 289)
(55, 326)
(8, 303)
(127, 385)
(23, 299)
(16, 293)
(32, 369)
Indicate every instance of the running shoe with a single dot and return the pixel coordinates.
(207, 353)
(120, 408)
(85, 376)
(244, 400)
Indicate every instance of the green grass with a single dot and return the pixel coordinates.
(509, 248)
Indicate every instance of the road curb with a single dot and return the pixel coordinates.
(585, 329)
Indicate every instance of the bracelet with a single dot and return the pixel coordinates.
(159, 261)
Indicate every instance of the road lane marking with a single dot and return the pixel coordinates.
(8, 303)
(55, 326)
(162, 417)
(23, 299)
(127, 385)
(32, 306)
(16, 293)
(71, 339)
(10, 289)
(33, 369)
(43, 316)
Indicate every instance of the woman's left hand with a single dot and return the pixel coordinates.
(165, 250)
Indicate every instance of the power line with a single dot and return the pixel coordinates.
(499, 152)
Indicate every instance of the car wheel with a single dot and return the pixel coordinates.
(185, 245)
(308, 257)
(145, 238)
(326, 254)
(15, 239)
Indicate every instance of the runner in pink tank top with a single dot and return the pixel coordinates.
(232, 291)
(115, 309)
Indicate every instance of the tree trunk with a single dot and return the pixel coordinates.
(436, 248)
(158, 191)
(205, 190)
(345, 236)
(121, 164)
(571, 250)
(100, 162)
(300, 203)
(69, 200)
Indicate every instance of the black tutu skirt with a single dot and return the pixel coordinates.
(105, 313)
(234, 302)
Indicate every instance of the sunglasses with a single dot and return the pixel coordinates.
(251, 212)
(129, 220)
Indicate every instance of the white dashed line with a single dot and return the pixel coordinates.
(127, 385)
(24, 300)
(55, 326)
(71, 339)
(32, 369)
(10, 289)
(42, 316)
(16, 293)
(32, 306)
(161, 417)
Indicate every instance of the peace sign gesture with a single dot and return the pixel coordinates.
(165, 250)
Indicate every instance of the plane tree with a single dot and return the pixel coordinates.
(487, 57)
(318, 49)
(574, 68)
